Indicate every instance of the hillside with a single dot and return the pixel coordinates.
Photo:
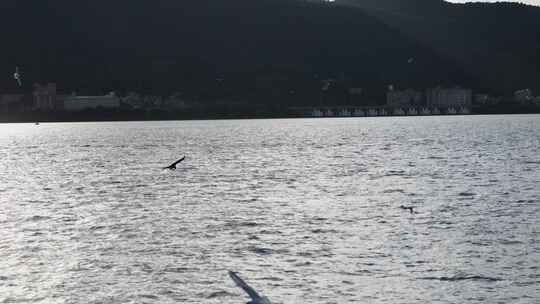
(497, 43)
(212, 49)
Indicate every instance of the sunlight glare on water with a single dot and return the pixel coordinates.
(306, 210)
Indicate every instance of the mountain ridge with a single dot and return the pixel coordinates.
(496, 43)
(263, 49)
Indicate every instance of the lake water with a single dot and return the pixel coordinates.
(306, 210)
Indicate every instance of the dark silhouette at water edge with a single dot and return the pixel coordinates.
(248, 112)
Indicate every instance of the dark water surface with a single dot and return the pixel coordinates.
(306, 210)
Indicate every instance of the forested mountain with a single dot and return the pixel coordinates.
(264, 50)
(497, 43)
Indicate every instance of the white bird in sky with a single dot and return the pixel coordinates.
(255, 297)
(17, 76)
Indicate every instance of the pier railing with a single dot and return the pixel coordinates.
(351, 111)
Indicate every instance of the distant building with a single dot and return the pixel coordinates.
(412, 111)
(425, 111)
(78, 103)
(44, 97)
(358, 113)
(316, 113)
(448, 97)
(344, 113)
(12, 102)
(329, 113)
(398, 112)
(403, 98)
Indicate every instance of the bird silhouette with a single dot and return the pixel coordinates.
(173, 165)
(255, 297)
(407, 208)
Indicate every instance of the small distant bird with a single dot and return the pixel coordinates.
(17, 76)
(255, 297)
(407, 208)
(173, 165)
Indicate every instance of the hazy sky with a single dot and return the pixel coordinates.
(532, 2)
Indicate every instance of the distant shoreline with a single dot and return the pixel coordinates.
(161, 115)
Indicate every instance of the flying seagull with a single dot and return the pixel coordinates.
(255, 297)
(173, 165)
(17, 76)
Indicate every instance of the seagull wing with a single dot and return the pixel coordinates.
(240, 283)
(17, 76)
(178, 161)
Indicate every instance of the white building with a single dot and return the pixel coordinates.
(464, 110)
(358, 113)
(445, 97)
(344, 113)
(412, 111)
(329, 113)
(372, 112)
(398, 112)
(78, 103)
(44, 97)
(317, 113)
(425, 111)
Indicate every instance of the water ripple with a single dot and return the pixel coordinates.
(307, 210)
